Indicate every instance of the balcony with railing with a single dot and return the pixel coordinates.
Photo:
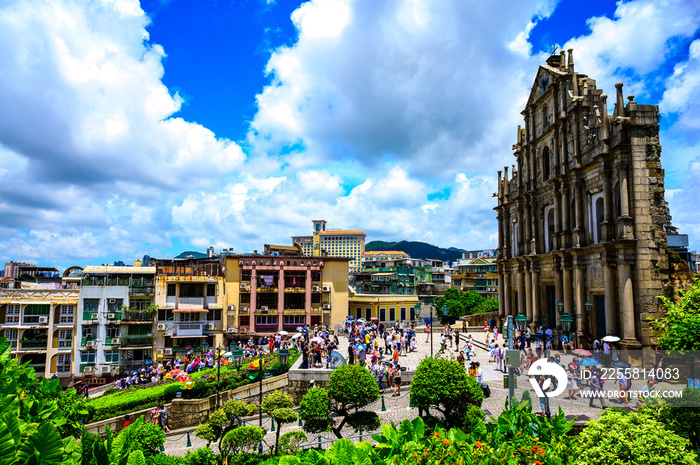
(141, 290)
(137, 317)
(137, 341)
(189, 328)
(36, 319)
(65, 343)
(33, 344)
(190, 303)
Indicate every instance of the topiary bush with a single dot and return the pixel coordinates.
(279, 405)
(290, 441)
(444, 385)
(618, 438)
(241, 439)
(314, 410)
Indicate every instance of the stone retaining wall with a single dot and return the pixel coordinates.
(191, 412)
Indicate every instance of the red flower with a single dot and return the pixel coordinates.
(447, 443)
(478, 444)
(536, 462)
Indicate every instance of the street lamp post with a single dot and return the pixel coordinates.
(510, 335)
(218, 374)
(260, 448)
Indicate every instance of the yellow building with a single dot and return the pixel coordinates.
(387, 308)
(267, 294)
(479, 275)
(333, 243)
(39, 325)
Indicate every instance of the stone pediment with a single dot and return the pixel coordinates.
(546, 76)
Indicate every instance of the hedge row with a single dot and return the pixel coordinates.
(131, 400)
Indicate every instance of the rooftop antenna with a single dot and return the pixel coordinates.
(554, 49)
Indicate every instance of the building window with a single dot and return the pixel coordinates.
(114, 305)
(87, 356)
(211, 290)
(294, 320)
(382, 314)
(214, 314)
(91, 305)
(597, 217)
(11, 334)
(549, 228)
(112, 356)
(545, 164)
(112, 331)
(403, 313)
(392, 314)
(165, 314)
(514, 245)
(171, 291)
(368, 313)
(266, 320)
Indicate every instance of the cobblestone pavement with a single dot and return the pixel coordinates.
(398, 409)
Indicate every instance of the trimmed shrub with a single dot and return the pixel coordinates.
(618, 438)
(202, 456)
(291, 440)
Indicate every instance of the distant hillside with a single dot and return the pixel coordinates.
(193, 253)
(417, 250)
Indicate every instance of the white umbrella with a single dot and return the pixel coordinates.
(361, 320)
(283, 333)
(296, 336)
(317, 339)
(611, 339)
(227, 354)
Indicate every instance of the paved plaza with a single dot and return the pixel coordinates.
(398, 409)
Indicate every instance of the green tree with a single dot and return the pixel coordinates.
(444, 385)
(679, 329)
(241, 439)
(459, 304)
(486, 306)
(680, 415)
(350, 387)
(223, 420)
(279, 406)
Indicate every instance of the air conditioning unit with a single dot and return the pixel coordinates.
(231, 308)
(244, 308)
(231, 330)
(168, 351)
(159, 351)
(90, 344)
(326, 306)
(112, 301)
(263, 309)
(244, 286)
(161, 327)
(88, 369)
(326, 289)
(111, 316)
(43, 319)
(105, 369)
(116, 341)
(210, 327)
(316, 289)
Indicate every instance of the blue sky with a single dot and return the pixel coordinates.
(148, 128)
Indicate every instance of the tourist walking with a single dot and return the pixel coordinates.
(397, 380)
(596, 388)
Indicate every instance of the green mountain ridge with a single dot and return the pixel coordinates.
(194, 253)
(417, 250)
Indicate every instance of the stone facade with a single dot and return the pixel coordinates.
(581, 217)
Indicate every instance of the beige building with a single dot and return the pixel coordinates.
(581, 217)
(39, 325)
(267, 294)
(190, 298)
(333, 243)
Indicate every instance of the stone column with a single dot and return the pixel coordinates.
(567, 290)
(565, 207)
(253, 298)
(580, 299)
(501, 294)
(607, 207)
(521, 291)
(610, 308)
(558, 293)
(527, 226)
(280, 300)
(528, 294)
(578, 213)
(624, 193)
(307, 295)
(536, 310)
(507, 293)
(577, 141)
(556, 243)
(624, 271)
